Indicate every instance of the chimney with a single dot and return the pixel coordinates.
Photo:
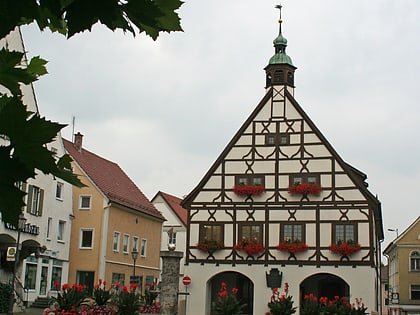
(78, 141)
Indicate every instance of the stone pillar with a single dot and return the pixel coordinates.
(169, 285)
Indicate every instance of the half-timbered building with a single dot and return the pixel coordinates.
(280, 205)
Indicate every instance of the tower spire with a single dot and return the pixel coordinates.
(280, 69)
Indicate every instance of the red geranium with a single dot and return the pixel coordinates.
(248, 190)
(304, 189)
(292, 246)
(345, 248)
(251, 247)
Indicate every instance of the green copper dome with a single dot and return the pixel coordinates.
(281, 58)
(280, 40)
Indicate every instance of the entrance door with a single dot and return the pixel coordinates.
(86, 278)
(234, 280)
(44, 281)
(324, 285)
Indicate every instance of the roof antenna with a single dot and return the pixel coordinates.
(73, 120)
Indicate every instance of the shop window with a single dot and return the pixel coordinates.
(30, 276)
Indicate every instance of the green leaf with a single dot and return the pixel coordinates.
(16, 12)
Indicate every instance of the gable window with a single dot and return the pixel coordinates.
(59, 191)
(251, 231)
(415, 292)
(277, 139)
(292, 232)
(84, 202)
(86, 238)
(211, 232)
(143, 248)
(35, 200)
(61, 227)
(306, 178)
(250, 179)
(126, 243)
(116, 242)
(344, 232)
(415, 261)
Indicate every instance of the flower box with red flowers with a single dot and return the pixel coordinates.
(209, 246)
(250, 247)
(305, 189)
(248, 190)
(292, 246)
(345, 248)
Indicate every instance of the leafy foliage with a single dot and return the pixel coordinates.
(69, 298)
(281, 304)
(23, 134)
(227, 303)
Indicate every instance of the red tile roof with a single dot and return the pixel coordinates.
(175, 204)
(112, 181)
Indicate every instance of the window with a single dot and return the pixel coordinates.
(49, 225)
(292, 232)
(136, 243)
(56, 273)
(344, 232)
(143, 248)
(415, 292)
(277, 139)
(86, 238)
(415, 261)
(35, 200)
(171, 236)
(213, 232)
(250, 179)
(84, 202)
(307, 178)
(116, 242)
(126, 243)
(61, 227)
(118, 278)
(251, 231)
(59, 190)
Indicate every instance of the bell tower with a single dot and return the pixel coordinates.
(280, 69)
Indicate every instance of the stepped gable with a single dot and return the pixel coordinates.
(175, 204)
(112, 180)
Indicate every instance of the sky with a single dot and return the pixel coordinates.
(164, 110)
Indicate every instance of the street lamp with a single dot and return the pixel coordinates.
(394, 230)
(134, 254)
(21, 225)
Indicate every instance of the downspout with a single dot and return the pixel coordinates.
(103, 243)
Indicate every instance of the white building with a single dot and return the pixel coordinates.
(45, 239)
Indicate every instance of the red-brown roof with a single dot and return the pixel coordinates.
(112, 181)
(175, 204)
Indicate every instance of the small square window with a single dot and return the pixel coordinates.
(277, 139)
(271, 139)
(85, 202)
(297, 180)
(312, 180)
(243, 181)
(257, 181)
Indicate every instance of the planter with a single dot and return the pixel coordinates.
(248, 190)
(251, 247)
(209, 246)
(345, 248)
(305, 189)
(292, 247)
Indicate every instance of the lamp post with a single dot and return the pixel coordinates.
(134, 254)
(394, 230)
(21, 225)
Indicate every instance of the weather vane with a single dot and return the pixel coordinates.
(279, 6)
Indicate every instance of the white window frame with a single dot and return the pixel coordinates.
(136, 243)
(49, 227)
(414, 256)
(80, 202)
(126, 243)
(81, 238)
(61, 231)
(59, 190)
(116, 241)
(143, 247)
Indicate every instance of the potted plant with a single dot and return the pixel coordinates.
(209, 246)
(304, 189)
(251, 246)
(248, 190)
(227, 303)
(281, 304)
(345, 248)
(292, 246)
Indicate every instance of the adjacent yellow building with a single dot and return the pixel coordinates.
(112, 219)
(404, 272)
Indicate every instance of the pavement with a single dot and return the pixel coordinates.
(31, 311)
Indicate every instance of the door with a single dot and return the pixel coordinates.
(44, 281)
(86, 278)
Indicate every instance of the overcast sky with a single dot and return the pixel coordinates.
(165, 110)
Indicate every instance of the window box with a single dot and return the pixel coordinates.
(305, 189)
(248, 190)
(209, 246)
(250, 247)
(292, 246)
(345, 248)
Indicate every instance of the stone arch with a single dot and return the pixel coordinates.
(324, 285)
(233, 280)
